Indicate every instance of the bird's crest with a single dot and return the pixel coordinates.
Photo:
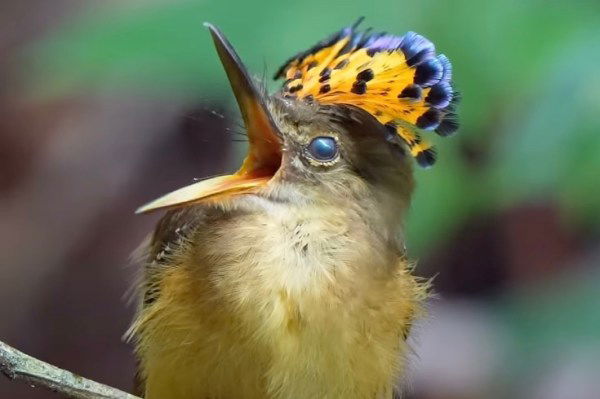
(400, 80)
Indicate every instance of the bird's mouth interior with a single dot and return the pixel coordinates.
(264, 144)
(255, 173)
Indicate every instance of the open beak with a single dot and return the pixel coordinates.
(264, 151)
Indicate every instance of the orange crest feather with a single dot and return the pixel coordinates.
(398, 79)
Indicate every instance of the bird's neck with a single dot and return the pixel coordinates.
(308, 247)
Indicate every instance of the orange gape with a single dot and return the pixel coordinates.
(398, 79)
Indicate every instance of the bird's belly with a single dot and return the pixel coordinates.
(273, 344)
(291, 313)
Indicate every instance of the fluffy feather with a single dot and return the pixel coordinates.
(253, 326)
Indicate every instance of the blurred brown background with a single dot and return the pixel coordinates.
(105, 105)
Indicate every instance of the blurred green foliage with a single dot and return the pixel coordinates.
(527, 71)
(551, 322)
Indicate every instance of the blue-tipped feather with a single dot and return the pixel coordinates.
(411, 92)
(426, 158)
(416, 48)
(385, 42)
(448, 125)
(440, 95)
(430, 119)
(429, 73)
(447, 67)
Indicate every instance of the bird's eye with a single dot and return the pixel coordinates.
(323, 148)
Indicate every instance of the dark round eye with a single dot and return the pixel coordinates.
(323, 148)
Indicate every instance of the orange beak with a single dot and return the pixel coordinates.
(264, 151)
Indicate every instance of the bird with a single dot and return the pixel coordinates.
(290, 277)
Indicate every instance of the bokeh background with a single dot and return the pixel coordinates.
(107, 104)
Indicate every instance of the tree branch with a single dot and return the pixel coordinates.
(17, 365)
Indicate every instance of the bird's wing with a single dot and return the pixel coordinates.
(172, 232)
(155, 254)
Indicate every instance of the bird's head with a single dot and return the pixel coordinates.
(345, 126)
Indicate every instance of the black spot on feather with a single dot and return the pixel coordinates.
(418, 57)
(371, 52)
(426, 158)
(428, 73)
(342, 64)
(324, 89)
(296, 88)
(447, 126)
(412, 92)
(440, 95)
(365, 75)
(325, 75)
(430, 119)
(359, 87)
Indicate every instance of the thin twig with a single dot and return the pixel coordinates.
(17, 365)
